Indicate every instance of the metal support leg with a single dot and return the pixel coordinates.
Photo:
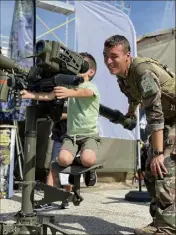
(19, 149)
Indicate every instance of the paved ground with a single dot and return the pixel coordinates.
(103, 211)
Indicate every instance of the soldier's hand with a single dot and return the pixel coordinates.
(131, 115)
(157, 166)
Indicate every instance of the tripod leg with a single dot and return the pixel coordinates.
(21, 147)
(15, 123)
(44, 229)
(18, 156)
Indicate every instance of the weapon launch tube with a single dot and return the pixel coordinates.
(7, 63)
(117, 117)
(111, 114)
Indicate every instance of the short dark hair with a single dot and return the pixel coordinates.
(91, 60)
(116, 40)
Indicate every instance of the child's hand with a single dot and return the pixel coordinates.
(83, 75)
(62, 92)
(27, 94)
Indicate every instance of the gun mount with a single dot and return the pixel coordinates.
(28, 221)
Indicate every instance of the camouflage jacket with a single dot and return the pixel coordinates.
(149, 83)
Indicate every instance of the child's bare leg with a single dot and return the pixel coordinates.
(52, 179)
(68, 188)
(65, 203)
(65, 158)
(88, 158)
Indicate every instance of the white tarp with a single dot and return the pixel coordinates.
(160, 46)
(95, 22)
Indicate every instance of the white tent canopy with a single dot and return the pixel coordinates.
(95, 22)
(160, 46)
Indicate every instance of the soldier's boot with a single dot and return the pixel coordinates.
(165, 232)
(150, 229)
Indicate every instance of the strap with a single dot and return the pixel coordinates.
(141, 60)
(169, 98)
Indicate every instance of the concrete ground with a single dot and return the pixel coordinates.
(103, 211)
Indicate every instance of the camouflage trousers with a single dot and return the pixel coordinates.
(163, 191)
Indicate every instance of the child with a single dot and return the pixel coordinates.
(82, 120)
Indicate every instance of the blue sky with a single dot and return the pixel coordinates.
(146, 16)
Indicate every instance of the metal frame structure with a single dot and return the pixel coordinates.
(167, 13)
(70, 10)
(65, 8)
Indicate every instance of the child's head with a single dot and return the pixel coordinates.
(92, 64)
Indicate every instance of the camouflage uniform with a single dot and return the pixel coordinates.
(149, 83)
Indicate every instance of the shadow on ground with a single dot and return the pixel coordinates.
(113, 200)
(91, 225)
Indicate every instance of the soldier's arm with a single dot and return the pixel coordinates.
(151, 96)
(149, 86)
(133, 103)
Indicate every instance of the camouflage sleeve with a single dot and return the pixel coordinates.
(133, 103)
(151, 98)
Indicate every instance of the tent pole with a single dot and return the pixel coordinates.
(138, 196)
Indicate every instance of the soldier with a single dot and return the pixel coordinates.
(146, 81)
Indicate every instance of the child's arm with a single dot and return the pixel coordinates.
(62, 92)
(42, 96)
(64, 116)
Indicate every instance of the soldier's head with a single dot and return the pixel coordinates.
(117, 54)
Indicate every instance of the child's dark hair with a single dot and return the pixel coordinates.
(91, 60)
